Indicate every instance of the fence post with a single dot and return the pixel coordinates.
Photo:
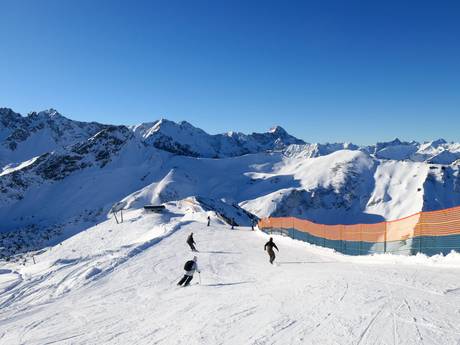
(420, 237)
(324, 235)
(385, 238)
(342, 227)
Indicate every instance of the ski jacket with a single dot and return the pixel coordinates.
(192, 271)
(190, 239)
(270, 245)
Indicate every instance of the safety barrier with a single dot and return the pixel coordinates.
(430, 233)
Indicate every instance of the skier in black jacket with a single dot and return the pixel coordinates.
(269, 248)
(191, 242)
(190, 268)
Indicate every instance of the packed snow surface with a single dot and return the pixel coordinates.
(116, 284)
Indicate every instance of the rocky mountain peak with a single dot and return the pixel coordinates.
(278, 130)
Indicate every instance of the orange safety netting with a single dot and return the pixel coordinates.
(434, 223)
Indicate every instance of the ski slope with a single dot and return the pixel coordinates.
(116, 284)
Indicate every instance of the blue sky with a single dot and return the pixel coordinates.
(360, 71)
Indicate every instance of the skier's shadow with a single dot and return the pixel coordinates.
(220, 252)
(305, 262)
(228, 284)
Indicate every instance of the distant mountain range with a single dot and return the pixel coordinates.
(22, 138)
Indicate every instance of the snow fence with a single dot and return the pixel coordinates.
(430, 233)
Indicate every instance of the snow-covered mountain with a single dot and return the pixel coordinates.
(436, 151)
(22, 138)
(184, 139)
(61, 175)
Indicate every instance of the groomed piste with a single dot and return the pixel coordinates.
(116, 284)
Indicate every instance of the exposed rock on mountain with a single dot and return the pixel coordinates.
(22, 138)
(184, 139)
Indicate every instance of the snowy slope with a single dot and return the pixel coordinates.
(59, 191)
(346, 187)
(115, 284)
(333, 188)
(91, 167)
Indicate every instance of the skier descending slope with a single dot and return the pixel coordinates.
(269, 248)
(190, 267)
(191, 242)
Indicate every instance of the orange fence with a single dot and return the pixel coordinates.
(428, 232)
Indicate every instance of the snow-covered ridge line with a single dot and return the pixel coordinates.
(22, 138)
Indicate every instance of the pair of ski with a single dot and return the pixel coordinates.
(197, 283)
(184, 286)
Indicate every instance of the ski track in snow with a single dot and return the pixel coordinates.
(124, 292)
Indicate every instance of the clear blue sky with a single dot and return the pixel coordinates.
(360, 71)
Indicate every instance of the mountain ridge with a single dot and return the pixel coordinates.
(185, 139)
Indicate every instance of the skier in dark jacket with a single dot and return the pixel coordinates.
(269, 248)
(191, 242)
(189, 271)
(209, 220)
